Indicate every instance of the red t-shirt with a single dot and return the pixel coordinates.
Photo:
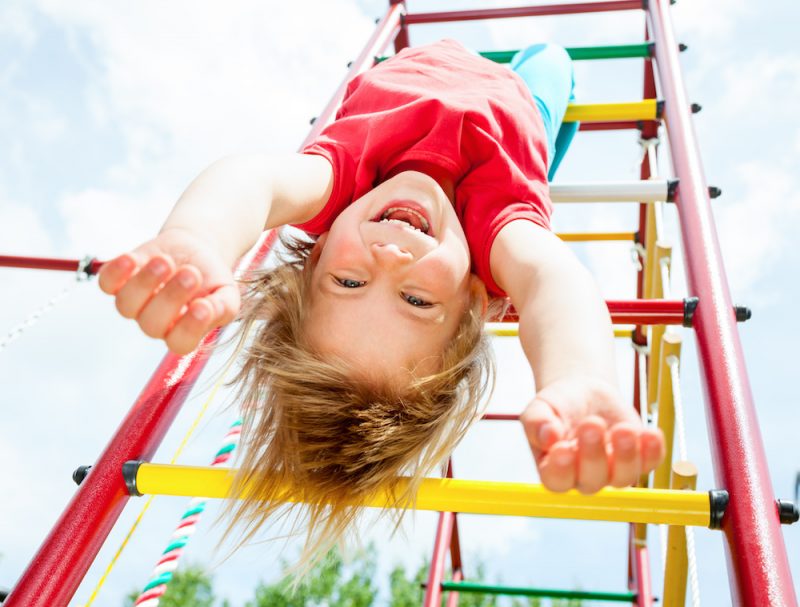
(442, 106)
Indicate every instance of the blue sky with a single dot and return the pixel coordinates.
(109, 109)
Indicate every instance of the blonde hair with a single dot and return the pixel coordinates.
(324, 434)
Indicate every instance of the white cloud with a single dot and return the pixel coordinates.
(760, 225)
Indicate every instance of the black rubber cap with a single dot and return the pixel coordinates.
(672, 189)
(660, 108)
(696, 107)
(718, 500)
(714, 191)
(129, 470)
(682, 47)
(689, 308)
(313, 120)
(743, 313)
(80, 474)
(789, 513)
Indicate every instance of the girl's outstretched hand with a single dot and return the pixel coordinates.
(176, 286)
(584, 438)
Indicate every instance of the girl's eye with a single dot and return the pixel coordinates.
(416, 301)
(349, 283)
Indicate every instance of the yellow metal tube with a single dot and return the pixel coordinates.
(511, 329)
(657, 288)
(670, 346)
(473, 497)
(595, 236)
(604, 112)
(684, 477)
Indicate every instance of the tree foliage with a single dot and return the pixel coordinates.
(333, 582)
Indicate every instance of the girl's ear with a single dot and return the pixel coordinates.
(316, 250)
(478, 295)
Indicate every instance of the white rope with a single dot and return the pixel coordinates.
(674, 368)
(34, 317)
(666, 290)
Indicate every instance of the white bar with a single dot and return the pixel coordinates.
(651, 190)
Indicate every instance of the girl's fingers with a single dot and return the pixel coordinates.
(557, 468)
(652, 445)
(137, 291)
(165, 308)
(115, 273)
(543, 427)
(226, 302)
(593, 462)
(626, 446)
(193, 325)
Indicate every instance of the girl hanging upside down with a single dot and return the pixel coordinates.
(426, 200)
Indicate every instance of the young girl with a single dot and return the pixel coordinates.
(427, 192)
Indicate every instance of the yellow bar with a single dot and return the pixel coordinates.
(474, 497)
(595, 236)
(684, 477)
(604, 112)
(511, 329)
(670, 346)
(660, 250)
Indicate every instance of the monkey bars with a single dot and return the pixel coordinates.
(757, 561)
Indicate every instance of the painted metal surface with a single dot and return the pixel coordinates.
(524, 11)
(758, 564)
(56, 570)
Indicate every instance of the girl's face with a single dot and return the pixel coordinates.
(392, 279)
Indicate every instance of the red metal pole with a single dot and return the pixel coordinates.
(757, 563)
(384, 33)
(56, 571)
(455, 550)
(444, 530)
(643, 586)
(63, 559)
(525, 11)
(637, 312)
(50, 263)
(618, 125)
(401, 40)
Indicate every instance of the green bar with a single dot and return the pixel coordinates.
(623, 597)
(621, 51)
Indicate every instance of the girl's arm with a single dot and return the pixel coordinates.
(581, 434)
(179, 285)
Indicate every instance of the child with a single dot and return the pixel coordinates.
(428, 190)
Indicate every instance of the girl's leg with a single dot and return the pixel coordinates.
(547, 70)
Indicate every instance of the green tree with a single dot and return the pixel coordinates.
(189, 587)
(331, 582)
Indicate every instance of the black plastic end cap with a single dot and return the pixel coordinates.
(689, 308)
(714, 191)
(672, 189)
(129, 471)
(789, 512)
(696, 107)
(743, 313)
(660, 108)
(80, 474)
(651, 49)
(312, 120)
(349, 64)
(718, 500)
(682, 47)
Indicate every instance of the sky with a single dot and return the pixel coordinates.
(109, 109)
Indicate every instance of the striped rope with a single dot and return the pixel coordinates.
(135, 525)
(168, 561)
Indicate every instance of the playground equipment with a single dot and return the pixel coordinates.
(742, 505)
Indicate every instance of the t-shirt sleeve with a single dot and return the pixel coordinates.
(343, 178)
(491, 197)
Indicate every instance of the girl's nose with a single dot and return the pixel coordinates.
(389, 254)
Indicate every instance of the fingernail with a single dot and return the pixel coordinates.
(544, 434)
(592, 437)
(563, 458)
(187, 280)
(125, 264)
(625, 442)
(200, 313)
(158, 267)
